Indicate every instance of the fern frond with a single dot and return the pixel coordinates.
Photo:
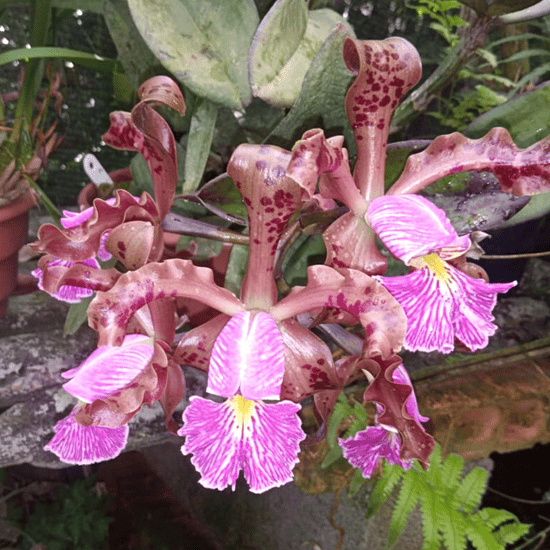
(383, 488)
(404, 505)
(471, 490)
(448, 505)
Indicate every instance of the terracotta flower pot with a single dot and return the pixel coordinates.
(14, 225)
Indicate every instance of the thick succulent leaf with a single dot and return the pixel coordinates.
(393, 396)
(110, 312)
(308, 363)
(286, 41)
(519, 171)
(248, 357)
(323, 91)
(222, 198)
(386, 70)
(271, 197)
(481, 206)
(276, 40)
(203, 44)
(78, 275)
(82, 242)
(195, 346)
(352, 292)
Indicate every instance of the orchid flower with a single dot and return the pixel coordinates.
(111, 386)
(441, 302)
(365, 449)
(274, 184)
(263, 439)
(124, 226)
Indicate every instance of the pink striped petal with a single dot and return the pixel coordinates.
(440, 309)
(110, 369)
(410, 226)
(77, 444)
(264, 442)
(367, 447)
(248, 356)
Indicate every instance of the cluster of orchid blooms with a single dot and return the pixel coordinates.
(258, 356)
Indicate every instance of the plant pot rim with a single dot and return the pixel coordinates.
(18, 206)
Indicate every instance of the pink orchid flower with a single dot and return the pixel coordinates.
(365, 449)
(440, 301)
(111, 385)
(244, 433)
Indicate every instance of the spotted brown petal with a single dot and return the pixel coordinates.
(83, 241)
(386, 70)
(519, 171)
(354, 293)
(393, 396)
(110, 312)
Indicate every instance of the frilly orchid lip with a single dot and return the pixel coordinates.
(68, 293)
(243, 433)
(367, 447)
(77, 444)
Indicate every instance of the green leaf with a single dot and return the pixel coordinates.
(199, 141)
(383, 488)
(137, 59)
(321, 101)
(77, 315)
(283, 48)
(222, 198)
(92, 61)
(236, 268)
(471, 489)
(452, 471)
(204, 43)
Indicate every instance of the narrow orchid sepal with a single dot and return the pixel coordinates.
(77, 444)
(110, 369)
(445, 304)
(401, 376)
(261, 439)
(249, 355)
(67, 293)
(411, 226)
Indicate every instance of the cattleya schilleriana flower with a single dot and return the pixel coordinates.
(260, 354)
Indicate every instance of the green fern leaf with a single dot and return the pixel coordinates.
(451, 472)
(453, 526)
(406, 501)
(481, 536)
(383, 488)
(512, 532)
(471, 490)
(430, 513)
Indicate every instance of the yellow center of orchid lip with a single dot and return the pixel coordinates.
(243, 409)
(436, 265)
